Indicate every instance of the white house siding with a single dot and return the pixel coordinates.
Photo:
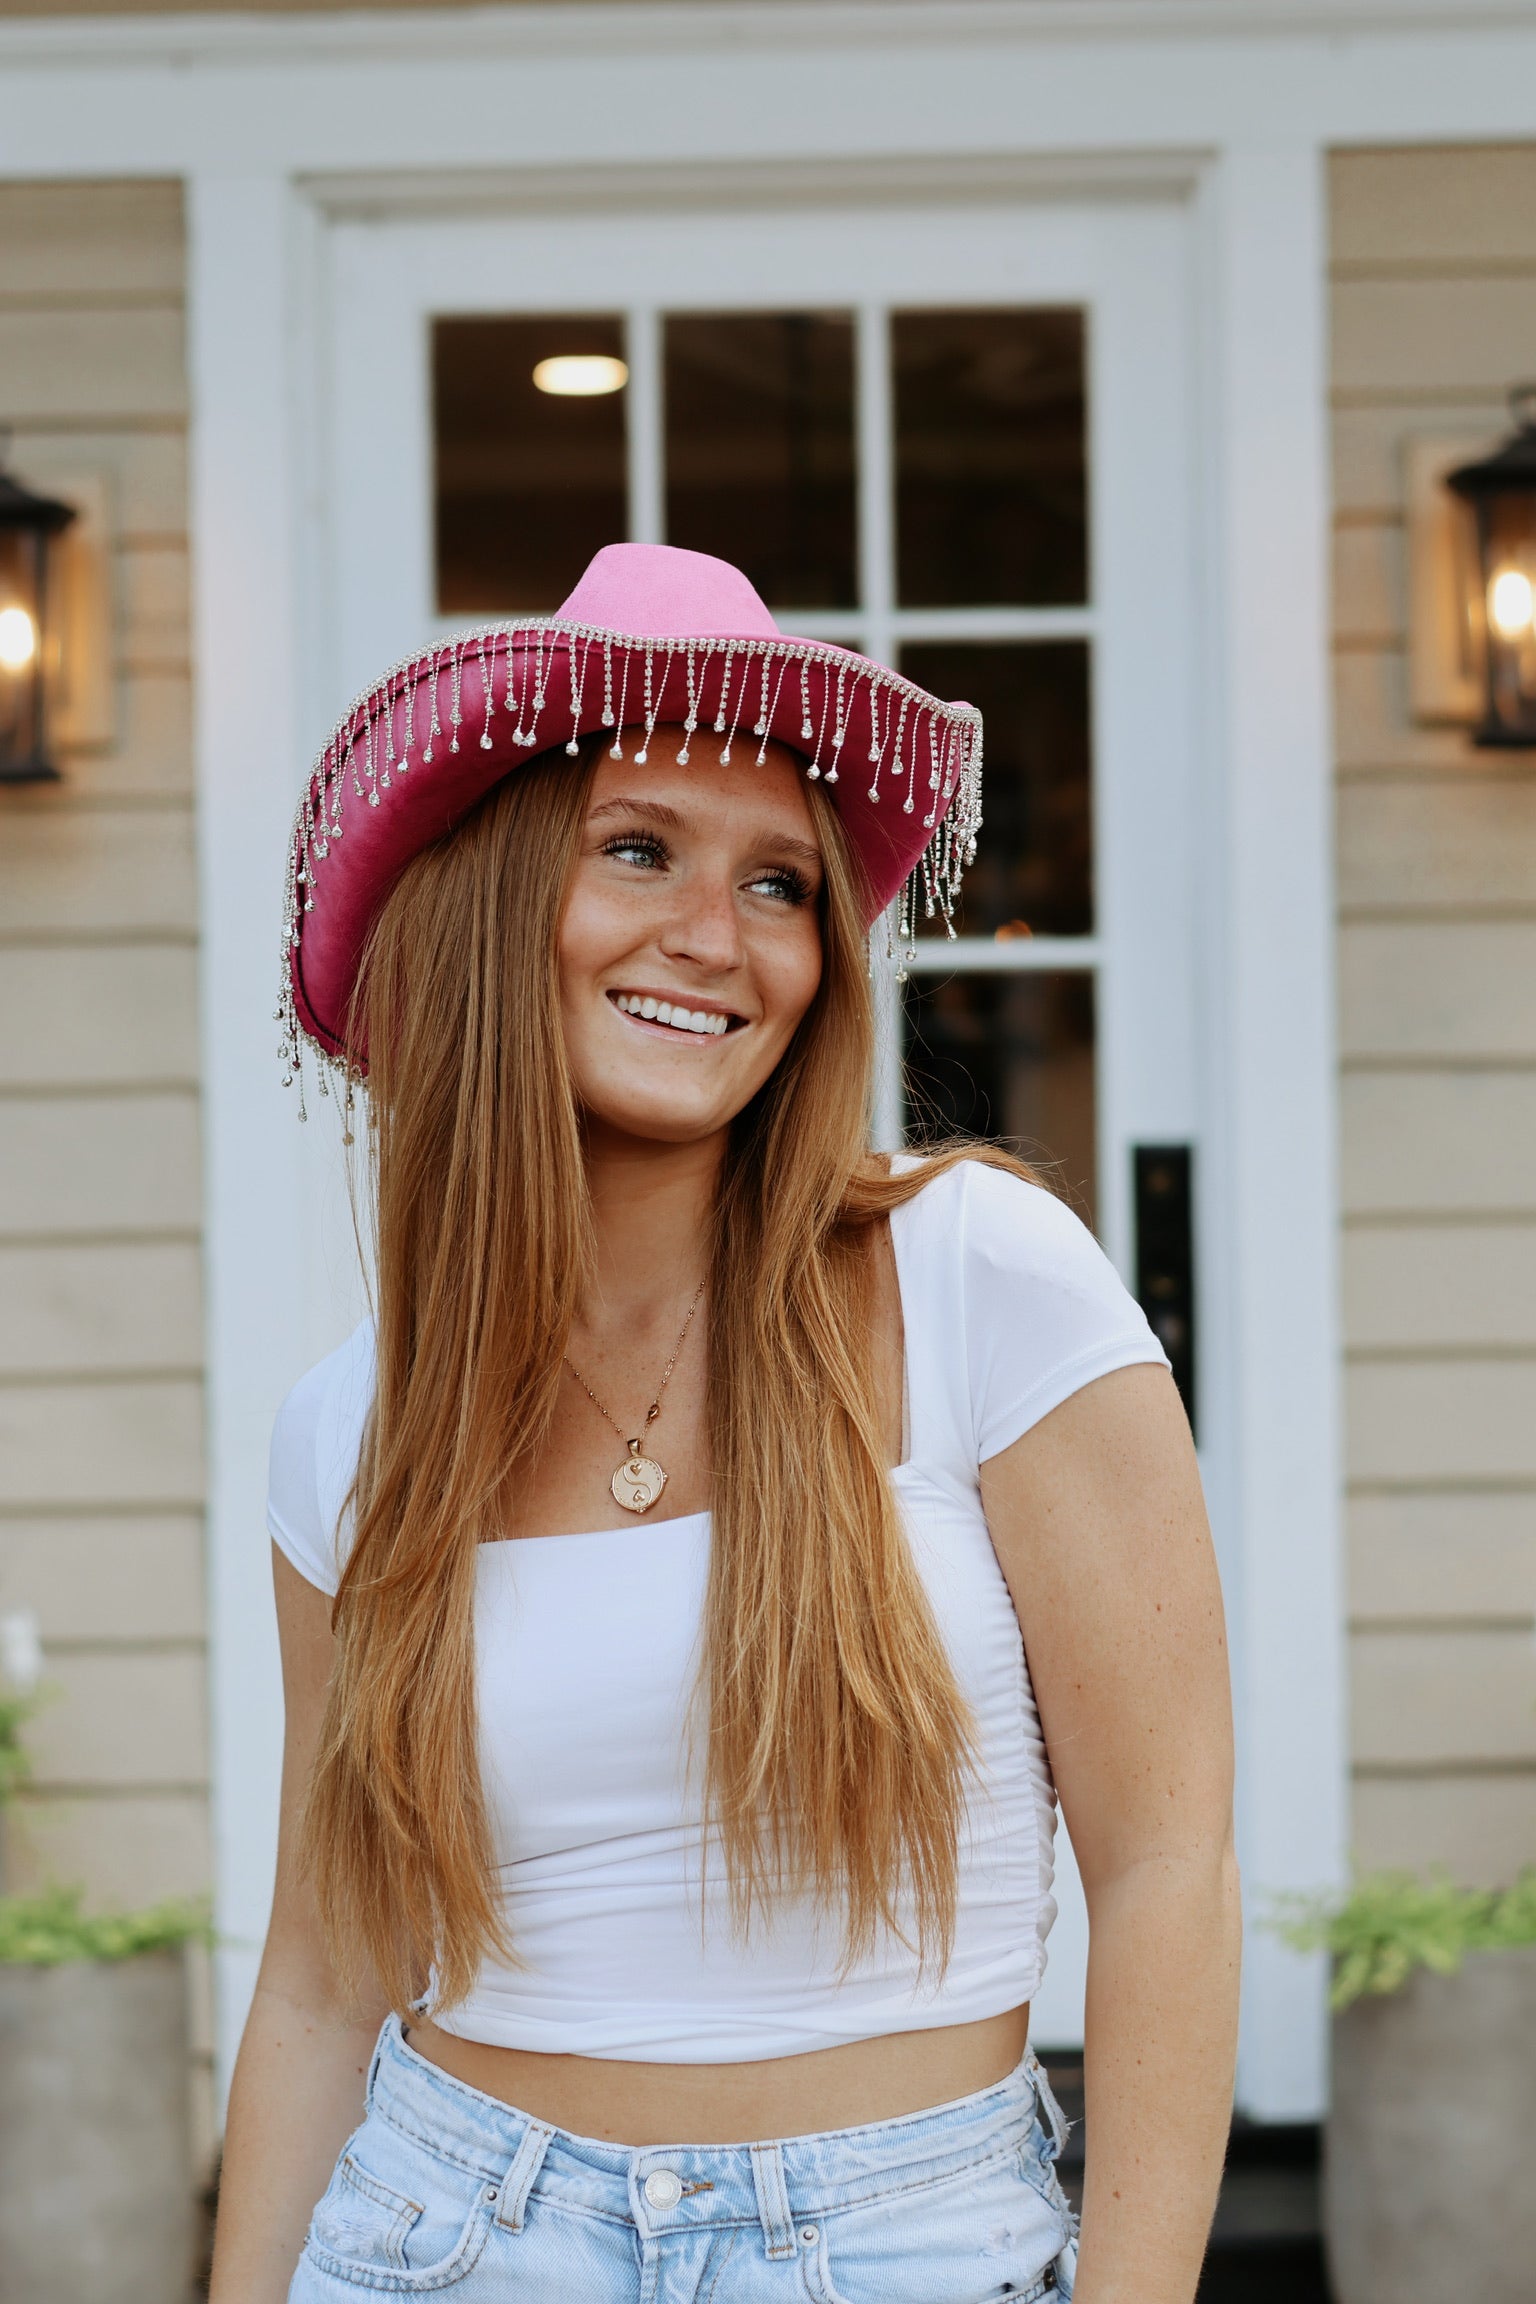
(1434, 317)
(101, 1476)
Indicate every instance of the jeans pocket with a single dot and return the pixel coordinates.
(362, 2219)
(987, 2235)
(397, 2221)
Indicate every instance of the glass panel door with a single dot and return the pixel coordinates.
(776, 430)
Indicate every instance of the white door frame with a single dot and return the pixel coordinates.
(1269, 1360)
(1128, 265)
(262, 117)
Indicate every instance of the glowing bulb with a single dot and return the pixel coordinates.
(18, 639)
(580, 375)
(1511, 603)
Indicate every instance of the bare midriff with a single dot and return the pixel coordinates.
(646, 2104)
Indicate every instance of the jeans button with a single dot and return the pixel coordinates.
(663, 2188)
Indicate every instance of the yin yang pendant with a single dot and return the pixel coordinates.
(638, 1481)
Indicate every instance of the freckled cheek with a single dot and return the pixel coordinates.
(597, 931)
(789, 981)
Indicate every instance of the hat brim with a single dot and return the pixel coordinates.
(412, 757)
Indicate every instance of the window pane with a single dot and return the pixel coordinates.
(760, 449)
(1033, 873)
(529, 483)
(991, 493)
(1010, 1057)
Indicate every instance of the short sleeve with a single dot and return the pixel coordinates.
(1045, 1311)
(314, 1457)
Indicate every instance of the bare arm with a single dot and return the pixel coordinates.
(1100, 1527)
(298, 2085)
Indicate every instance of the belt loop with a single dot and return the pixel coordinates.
(1045, 2101)
(772, 2200)
(519, 2179)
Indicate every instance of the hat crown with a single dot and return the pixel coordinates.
(658, 591)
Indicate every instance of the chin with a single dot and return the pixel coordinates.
(667, 1121)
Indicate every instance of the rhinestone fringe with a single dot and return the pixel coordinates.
(929, 755)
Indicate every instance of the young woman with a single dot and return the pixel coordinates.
(664, 1770)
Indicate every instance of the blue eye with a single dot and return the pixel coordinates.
(642, 848)
(789, 886)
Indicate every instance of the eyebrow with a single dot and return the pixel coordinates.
(675, 821)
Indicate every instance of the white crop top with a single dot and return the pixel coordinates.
(587, 1646)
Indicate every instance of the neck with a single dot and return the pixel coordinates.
(651, 1207)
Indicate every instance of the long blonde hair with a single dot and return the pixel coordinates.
(835, 1738)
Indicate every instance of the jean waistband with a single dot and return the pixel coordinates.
(672, 2187)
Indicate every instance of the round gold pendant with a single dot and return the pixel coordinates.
(638, 1481)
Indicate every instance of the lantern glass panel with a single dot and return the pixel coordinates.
(21, 665)
(1507, 537)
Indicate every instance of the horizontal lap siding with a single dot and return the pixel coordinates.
(101, 1399)
(1434, 317)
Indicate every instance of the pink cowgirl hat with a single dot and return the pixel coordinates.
(650, 636)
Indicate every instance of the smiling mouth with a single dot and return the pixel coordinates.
(673, 1016)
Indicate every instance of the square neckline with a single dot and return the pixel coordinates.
(691, 1519)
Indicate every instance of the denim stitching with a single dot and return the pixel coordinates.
(375, 2189)
(730, 2249)
(939, 2112)
(438, 2150)
(456, 2267)
(918, 2184)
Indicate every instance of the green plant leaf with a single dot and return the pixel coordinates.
(51, 1929)
(1391, 1924)
(15, 1712)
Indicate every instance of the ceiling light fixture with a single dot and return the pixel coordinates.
(580, 375)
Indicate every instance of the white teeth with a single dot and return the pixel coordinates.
(699, 1020)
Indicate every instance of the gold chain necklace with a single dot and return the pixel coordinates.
(639, 1480)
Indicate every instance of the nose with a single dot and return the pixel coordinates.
(704, 929)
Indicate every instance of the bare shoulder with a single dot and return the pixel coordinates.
(1120, 1443)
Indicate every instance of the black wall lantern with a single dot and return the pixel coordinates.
(28, 643)
(1501, 488)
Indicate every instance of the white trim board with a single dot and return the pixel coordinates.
(635, 27)
(739, 84)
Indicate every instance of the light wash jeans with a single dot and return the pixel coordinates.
(445, 2191)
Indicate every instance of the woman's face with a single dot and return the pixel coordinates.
(694, 896)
